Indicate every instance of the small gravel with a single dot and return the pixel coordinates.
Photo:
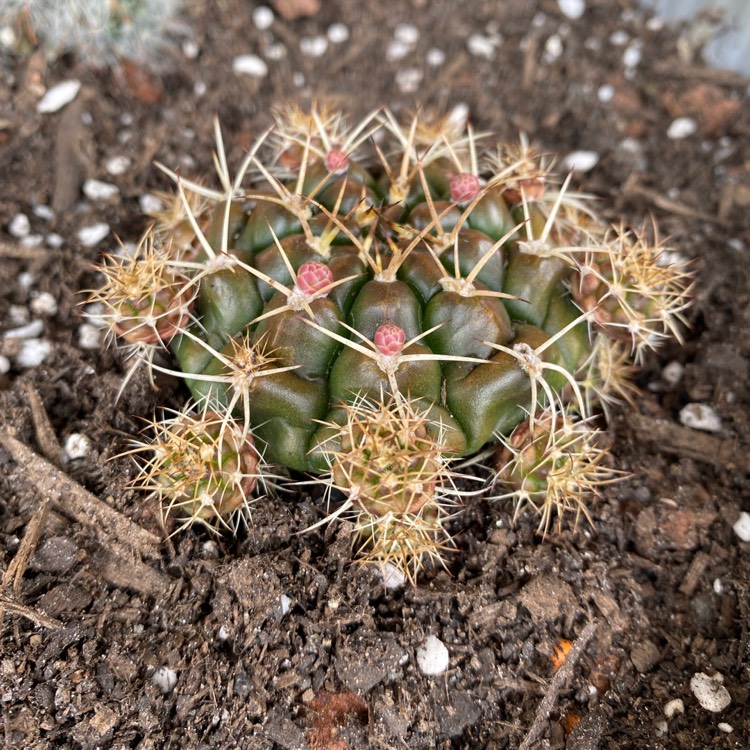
(58, 96)
(249, 65)
(741, 526)
(710, 692)
(700, 417)
(432, 656)
(682, 127)
(93, 235)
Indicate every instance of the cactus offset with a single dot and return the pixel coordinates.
(382, 300)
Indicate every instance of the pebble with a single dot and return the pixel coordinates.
(93, 235)
(32, 240)
(285, 603)
(313, 46)
(190, 49)
(581, 161)
(435, 57)
(674, 707)
(393, 577)
(275, 51)
(76, 446)
(89, 336)
(632, 55)
(165, 679)
(572, 9)
(672, 372)
(406, 33)
(682, 127)
(710, 692)
(43, 212)
(31, 330)
(43, 303)
(337, 33)
(263, 17)
(482, 46)
(117, 165)
(397, 50)
(553, 48)
(4, 364)
(7, 37)
(605, 93)
(741, 526)
(619, 38)
(700, 417)
(150, 204)
(97, 190)
(58, 96)
(718, 586)
(722, 726)
(432, 656)
(33, 352)
(53, 239)
(19, 226)
(408, 80)
(249, 65)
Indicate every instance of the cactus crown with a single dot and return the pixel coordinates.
(372, 302)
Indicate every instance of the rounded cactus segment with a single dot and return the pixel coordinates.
(372, 301)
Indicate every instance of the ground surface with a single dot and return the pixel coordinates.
(96, 603)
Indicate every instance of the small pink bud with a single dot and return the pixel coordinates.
(464, 187)
(337, 161)
(389, 339)
(313, 276)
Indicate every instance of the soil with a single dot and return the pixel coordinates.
(114, 637)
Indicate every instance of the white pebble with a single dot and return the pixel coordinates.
(710, 692)
(7, 37)
(482, 46)
(165, 679)
(249, 65)
(43, 212)
(605, 93)
(408, 80)
(313, 46)
(742, 526)
(553, 48)
(200, 88)
(573, 9)
(4, 364)
(76, 446)
(93, 235)
(632, 55)
(150, 204)
(117, 165)
(337, 33)
(25, 280)
(33, 352)
(700, 417)
(435, 57)
(97, 190)
(672, 372)
(396, 50)
(43, 303)
(263, 17)
(298, 79)
(393, 577)
(432, 656)
(58, 96)
(31, 330)
(89, 336)
(718, 586)
(285, 603)
(406, 33)
(661, 727)
(681, 128)
(458, 117)
(581, 161)
(223, 633)
(674, 707)
(190, 49)
(619, 38)
(275, 51)
(53, 239)
(722, 726)
(32, 240)
(19, 226)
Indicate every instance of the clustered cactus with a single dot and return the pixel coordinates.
(381, 306)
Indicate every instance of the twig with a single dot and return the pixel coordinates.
(121, 540)
(45, 433)
(557, 683)
(16, 608)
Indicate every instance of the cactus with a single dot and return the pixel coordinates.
(373, 304)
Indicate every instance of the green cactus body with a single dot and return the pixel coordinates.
(346, 300)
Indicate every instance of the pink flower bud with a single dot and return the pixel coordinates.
(389, 339)
(464, 187)
(313, 276)
(337, 161)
